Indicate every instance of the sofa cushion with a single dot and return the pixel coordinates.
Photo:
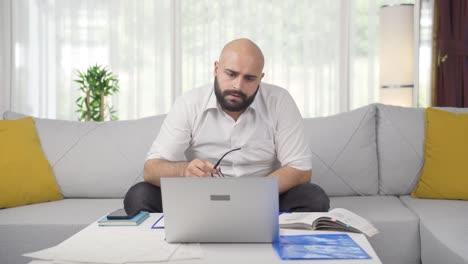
(25, 174)
(344, 157)
(398, 237)
(96, 159)
(400, 146)
(444, 233)
(31, 228)
(446, 150)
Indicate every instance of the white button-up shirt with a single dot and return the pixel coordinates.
(269, 132)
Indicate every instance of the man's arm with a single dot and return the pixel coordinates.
(291, 146)
(289, 177)
(157, 168)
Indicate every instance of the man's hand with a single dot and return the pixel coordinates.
(199, 168)
(156, 168)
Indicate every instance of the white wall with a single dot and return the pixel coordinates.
(5, 55)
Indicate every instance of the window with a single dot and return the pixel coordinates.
(323, 52)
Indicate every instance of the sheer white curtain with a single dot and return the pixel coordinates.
(5, 58)
(323, 52)
(53, 39)
(426, 37)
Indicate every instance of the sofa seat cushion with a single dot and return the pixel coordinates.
(444, 232)
(64, 212)
(398, 240)
(34, 227)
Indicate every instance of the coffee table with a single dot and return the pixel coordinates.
(241, 253)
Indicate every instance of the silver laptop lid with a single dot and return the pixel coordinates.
(220, 210)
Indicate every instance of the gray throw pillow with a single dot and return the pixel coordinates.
(400, 145)
(96, 159)
(344, 160)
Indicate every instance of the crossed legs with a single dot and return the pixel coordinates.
(306, 197)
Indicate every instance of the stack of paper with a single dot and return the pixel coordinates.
(117, 245)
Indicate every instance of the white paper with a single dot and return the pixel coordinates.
(183, 252)
(110, 245)
(113, 245)
(188, 251)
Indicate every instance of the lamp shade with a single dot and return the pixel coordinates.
(396, 54)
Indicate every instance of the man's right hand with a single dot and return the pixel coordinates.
(199, 168)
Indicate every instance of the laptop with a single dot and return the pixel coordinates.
(220, 210)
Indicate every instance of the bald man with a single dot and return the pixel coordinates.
(257, 126)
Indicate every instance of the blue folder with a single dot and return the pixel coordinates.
(319, 246)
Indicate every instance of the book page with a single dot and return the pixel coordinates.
(354, 220)
(299, 220)
(345, 217)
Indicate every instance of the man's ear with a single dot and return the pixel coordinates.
(216, 67)
(263, 75)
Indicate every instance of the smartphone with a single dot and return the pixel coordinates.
(121, 214)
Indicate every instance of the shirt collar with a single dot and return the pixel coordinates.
(213, 102)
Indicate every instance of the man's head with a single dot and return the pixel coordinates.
(238, 74)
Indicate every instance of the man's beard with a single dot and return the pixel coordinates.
(233, 106)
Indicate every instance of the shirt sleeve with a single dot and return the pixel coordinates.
(291, 146)
(174, 136)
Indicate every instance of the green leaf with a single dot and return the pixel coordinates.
(97, 80)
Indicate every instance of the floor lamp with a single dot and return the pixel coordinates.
(396, 54)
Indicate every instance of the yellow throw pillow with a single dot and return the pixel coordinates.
(25, 173)
(445, 171)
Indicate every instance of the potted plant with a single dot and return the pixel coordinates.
(96, 84)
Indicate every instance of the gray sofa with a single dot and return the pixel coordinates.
(368, 160)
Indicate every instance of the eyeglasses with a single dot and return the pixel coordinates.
(220, 174)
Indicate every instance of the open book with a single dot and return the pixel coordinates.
(338, 219)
